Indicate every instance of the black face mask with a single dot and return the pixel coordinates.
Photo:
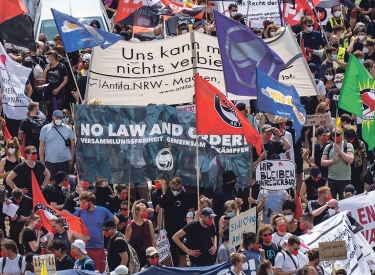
(229, 186)
(335, 45)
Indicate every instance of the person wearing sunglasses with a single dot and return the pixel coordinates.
(286, 262)
(117, 246)
(152, 258)
(265, 239)
(337, 157)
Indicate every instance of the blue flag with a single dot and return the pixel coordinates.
(281, 100)
(76, 35)
(241, 53)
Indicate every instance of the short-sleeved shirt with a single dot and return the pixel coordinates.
(277, 239)
(253, 258)
(359, 154)
(65, 264)
(12, 266)
(371, 57)
(274, 203)
(199, 237)
(312, 187)
(54, 146)
(272, 147)
(55, 76)
(93, 220)
(23, 178)
(57, 195)
(72, 203)
(271, 251)
(334, 96)
(340, 170)
(85, 264)
(312, 40)
(223, 253)
(27, 126)
(115, 247)
(286, 261)
(313, 205)
(25, 208)
(29, 236)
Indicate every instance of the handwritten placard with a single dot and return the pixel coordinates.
(315, 120)
(162, 245)
(245, 222)
(332, 251)
(48, 259)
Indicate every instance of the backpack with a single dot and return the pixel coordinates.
(47, 192)
(369, 177)
(133, 264)
(330, 146)
(38, 70)
(36, 125)
(20, 259)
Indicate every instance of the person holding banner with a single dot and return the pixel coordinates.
(318, 208)
(230, 210)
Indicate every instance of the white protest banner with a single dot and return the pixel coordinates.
(315, 120)
(367, 250)
(338, 228)
(187, 108)
(49, 260)
(244, 222)
(162, 245)
(362, 208)
(276, 174)
(159, 71)
(13, 77)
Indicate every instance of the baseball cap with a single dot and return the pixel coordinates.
(315, 171)
(29, 257)
(349, 188)
(267, 127)
(208, 212)
(241, 106)
(339, 77)
(359, 24)
(151, 251)
(86, 57)
(108, 224)
(267, 22)
(80, 245)
(58, 113)
(120, 270)
(60, 176)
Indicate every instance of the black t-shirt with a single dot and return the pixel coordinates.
(103, 198)
(335, 23)
(365, 5)
(272, 147)
(31, 127)
(312, 40)
(199, 237)
(72, 202)
(113, 5)
(313, 205)
(23, 178)
(371, 57)
(334, 95)
(55, 76)
(271, 251)
(176, 208)
(318, 158)
(114, 250)
(57, 195)
(65, 264)
(312, 187)
(29, 236)
(25, 208)
(358, 46)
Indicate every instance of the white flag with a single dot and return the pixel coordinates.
(13, 77)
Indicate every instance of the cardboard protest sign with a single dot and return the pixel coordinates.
(162, 245)
(276, 174)
(244, 222)
(361, 207)
(331, 251)
(315, 120)
(49, 260)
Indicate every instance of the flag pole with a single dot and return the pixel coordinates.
(313, 144)
(247, 13)
(280, 12)
(320, 25)
(75, 81)
(251, 173)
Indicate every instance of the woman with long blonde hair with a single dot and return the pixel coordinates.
(31, 233)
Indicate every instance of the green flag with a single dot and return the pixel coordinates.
(357, 96)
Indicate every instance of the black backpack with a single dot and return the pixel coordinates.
(36, 125)
(47, 192)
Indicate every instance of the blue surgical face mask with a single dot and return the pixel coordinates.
(159, 37)
(66, 119)
(361, 61)
(230, 214)
(334, 57)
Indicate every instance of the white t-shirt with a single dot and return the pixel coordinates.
(11, 266)
(321, 88)
(277, 239)
(285, 262)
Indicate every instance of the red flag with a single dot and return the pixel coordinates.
(293, 15)
(10, 9)
(216, 115)
(299, 210)
(6, 133)
(47, 212)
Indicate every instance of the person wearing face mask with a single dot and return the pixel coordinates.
(318, 208)
(359, 165)
(152, 258)
(342, 54)
(368, 50)
(11, 262)
(344, 123)
(231, 210)
(286, 262)
(271, 30)
(280, 123)
(357, 43)
(333, 96)
(306, 223)
(322, 138)
(337, 156)
(67, 119)
(120, 202)
(58, 232)
(269, 247)
(140, 232)
(93, 216)
(71, 203)
(281, 235)
(201, 239)
(328, 63)
(117, 247)
(56, 149)
(175, 205)
(199, 26)
(312, 267)
(63, 260)
(252, 252)
(103, 194)
(194, 216)
(83, 262)
(313, 40)
(21, 175)
(239, 17)
(159, 32)
(292, 225)
(239, 264)
(31, 234)
(34, 54)
(83, 73)
(333, 209)
(309, 190)
(233, 9)
(53, 193)
(223, 253)
(338, 19)
(24, 211)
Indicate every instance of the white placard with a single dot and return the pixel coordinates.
(276, 174)
(244, 222)
(315, 120)
(162, 245)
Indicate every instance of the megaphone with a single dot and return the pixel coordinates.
(319, 52)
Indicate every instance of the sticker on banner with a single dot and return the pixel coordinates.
(162, 245)
(164, 160)
(276, 174)
(245, 222)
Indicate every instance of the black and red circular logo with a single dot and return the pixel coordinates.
(226, 112)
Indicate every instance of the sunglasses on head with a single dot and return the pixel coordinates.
(155, 256)
(269, 234)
